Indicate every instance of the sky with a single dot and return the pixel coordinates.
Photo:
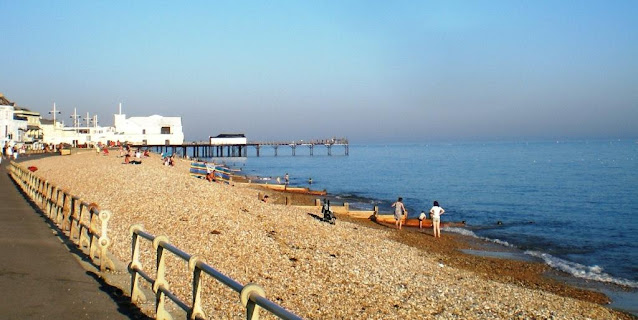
(370, 71)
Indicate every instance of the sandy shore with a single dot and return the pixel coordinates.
(351, 270)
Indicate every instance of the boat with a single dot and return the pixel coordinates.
(302, 190)
(412, 222)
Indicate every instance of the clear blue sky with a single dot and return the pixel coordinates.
(366, 70)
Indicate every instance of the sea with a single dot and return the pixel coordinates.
(571, 204)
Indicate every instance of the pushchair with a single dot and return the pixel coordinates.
(328, 215)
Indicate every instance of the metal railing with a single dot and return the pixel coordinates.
(252, 296)
(86, 224)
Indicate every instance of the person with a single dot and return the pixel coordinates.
(278, 180)
(435, 214)
(210, 176)
(310, 180)
(265, 199)
(286, 178)
(399, 212)
(421, 218)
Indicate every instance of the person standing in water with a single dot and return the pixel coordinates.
(399, 212)
(435, 214)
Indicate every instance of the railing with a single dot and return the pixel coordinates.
(252, 296)
(86, 224)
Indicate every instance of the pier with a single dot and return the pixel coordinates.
(208, 150)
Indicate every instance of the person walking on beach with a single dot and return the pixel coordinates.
(399, 212)
(286, 179)
(435, 214)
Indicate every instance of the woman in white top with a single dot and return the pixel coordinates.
(435, 214)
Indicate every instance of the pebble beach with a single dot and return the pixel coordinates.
(350, 270)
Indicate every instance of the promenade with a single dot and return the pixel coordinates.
(39, 277)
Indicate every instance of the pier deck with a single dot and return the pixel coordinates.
(208, 150)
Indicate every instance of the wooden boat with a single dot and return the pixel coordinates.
(285, 188)
(413, 222)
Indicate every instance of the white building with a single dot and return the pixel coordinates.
(225, 139)
(9, 127)
(153, 130)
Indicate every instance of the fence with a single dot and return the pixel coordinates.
(86, 224)
(252, 296)
(87, 227)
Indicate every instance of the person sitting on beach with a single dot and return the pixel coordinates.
(435, 214)
(265, 199)
(421, 218)
(127, 158)
(399, 212)
(146, 153)
(210, 176)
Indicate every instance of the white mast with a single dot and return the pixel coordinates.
(75, 116)
(120, 108)
(54, 111)
(88, 120)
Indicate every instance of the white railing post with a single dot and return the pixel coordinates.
(104, 242)
(252, 309)
(136, 292)
(196, 308)
(160, 283)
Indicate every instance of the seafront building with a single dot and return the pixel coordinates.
(14, 122)
(24, 127)
(152, 130)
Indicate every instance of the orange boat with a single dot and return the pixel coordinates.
(413, 222)
(285, 188)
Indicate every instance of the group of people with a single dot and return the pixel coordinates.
(9, 152)
(401, 213)
(167, 160)
(133, 157)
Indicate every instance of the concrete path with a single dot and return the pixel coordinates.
(39, 277)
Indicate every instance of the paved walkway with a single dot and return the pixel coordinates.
(39, 277)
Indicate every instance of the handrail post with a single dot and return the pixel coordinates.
(73, 215)
(104, 241)
(136, 293)
(252, 309)
(196, 309)
(160, 280)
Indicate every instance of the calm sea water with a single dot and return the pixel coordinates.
(571, 203)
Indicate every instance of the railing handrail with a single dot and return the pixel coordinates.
(70, 212)
(252, 296)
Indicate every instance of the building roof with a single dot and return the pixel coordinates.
(230, 135)
(5, 102)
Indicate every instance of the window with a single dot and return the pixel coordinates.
(166, 130)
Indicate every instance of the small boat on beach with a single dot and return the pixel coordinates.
(413, 222)
(301, 190)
